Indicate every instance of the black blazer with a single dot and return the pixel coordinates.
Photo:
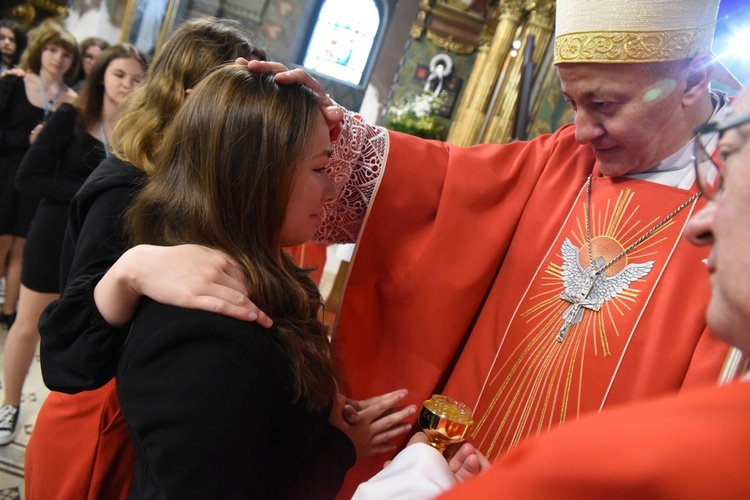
(208, 400)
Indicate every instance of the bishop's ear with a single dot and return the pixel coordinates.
(699, 71)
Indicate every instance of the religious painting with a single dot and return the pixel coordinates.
(147, 23)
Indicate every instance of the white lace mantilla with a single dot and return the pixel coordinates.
(355, 166)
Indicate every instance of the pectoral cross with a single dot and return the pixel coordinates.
(574, 313)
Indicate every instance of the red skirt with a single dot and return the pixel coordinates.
(80, 448)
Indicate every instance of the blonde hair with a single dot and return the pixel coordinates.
(196, 47)
(227, 165)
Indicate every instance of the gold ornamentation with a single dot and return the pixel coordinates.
(643, 47)
(449, 44)
(515, 9)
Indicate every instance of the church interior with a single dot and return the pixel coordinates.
(462, 71)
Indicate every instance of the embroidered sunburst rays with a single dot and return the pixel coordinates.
(613, 229)
(539, 384)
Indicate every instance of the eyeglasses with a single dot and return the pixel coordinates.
(708, 167)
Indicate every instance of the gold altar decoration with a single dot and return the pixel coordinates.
(452, 25)
(484, 76)
(483, 118)
(31, 12)
(501, 118)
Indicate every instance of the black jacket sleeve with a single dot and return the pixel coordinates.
(79, 350)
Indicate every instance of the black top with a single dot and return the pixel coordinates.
(18, 117)
(208, 399)
(79, 350)
(58, 162)
(53, 168)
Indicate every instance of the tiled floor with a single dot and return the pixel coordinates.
(11, 456)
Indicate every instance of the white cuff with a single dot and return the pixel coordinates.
(418, 472)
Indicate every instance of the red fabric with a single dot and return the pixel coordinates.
(690, 446)
(454, 242)
(310, 254)
(80, 448)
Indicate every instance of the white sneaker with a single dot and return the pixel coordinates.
(8, 424)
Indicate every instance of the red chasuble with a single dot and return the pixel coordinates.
(693, 445)
(456, 286)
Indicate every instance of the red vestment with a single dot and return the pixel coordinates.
(690, 446)
(461, 262)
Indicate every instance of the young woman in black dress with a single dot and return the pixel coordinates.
(71, 144)
(50, 58)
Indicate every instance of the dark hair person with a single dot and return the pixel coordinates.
(241, 169)
(90, 48)
(12, 44)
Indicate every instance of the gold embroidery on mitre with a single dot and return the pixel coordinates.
(632, 46)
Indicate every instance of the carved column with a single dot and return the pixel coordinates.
(541, 24)
(472, 108)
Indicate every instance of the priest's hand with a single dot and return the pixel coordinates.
(464, 461)
(298, 76)
(372, 423)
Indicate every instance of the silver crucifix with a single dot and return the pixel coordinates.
(574, 312)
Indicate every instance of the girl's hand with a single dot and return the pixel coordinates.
(377, 421)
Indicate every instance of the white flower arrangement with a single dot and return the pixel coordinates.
(417, 115)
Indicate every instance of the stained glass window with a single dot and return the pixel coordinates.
(343, 39)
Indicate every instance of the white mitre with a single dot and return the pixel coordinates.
(633, 31)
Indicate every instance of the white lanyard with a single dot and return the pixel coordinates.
(47, 107)
(104, 138)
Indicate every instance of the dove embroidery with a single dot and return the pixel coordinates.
(589, 288)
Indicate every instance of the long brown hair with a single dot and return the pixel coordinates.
(227, 165)
(91, 97)
(196, 48)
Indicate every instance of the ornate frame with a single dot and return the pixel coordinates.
(454, 25)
